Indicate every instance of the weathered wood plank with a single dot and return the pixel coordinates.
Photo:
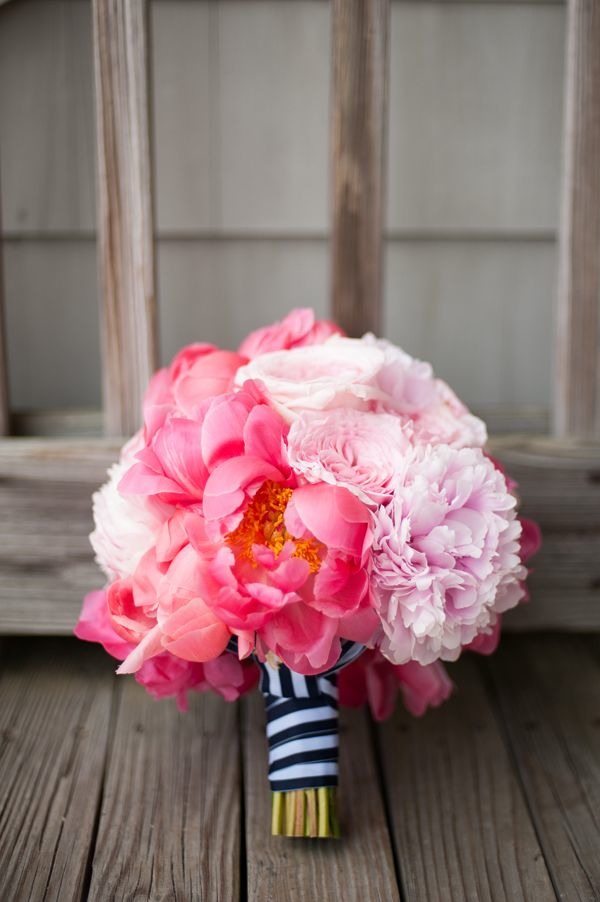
(358, 133)
(577, 401)
(4, 409)
(125, 210)
(46, 562)
(559, 484)
(55, 704)
(459, 820)
(170, 820)
(549, 694)
(359, 866)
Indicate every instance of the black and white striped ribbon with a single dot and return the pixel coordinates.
(302, 724)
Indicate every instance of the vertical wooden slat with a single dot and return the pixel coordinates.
(359, 106)
(126, 253)
(4, 413)
(577, 408)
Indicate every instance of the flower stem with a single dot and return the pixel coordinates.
(305, 812)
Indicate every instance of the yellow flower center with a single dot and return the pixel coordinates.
(263, 524)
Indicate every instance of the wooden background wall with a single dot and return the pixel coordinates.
(240, 106)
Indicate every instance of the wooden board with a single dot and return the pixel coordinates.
(358, 866)
(54, 720)
(577, 373)
(459, 820)
(46, 562)
(125, 209)
(170, 819)
(360, 49)
(548, 690)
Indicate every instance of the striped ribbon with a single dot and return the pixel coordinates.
(302, 724)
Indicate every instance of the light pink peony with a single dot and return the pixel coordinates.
(409, 389)
(298, 329)
(361, 451)
(446, 555)
(342, 372)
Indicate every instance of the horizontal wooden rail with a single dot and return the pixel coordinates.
(46, 561)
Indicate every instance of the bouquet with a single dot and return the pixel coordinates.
(315, 512)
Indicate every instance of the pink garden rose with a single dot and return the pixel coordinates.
(342, 372)
(446, 555)
(298, 329)
(411, 390)
(359, 450)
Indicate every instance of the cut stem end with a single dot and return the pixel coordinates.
(305, 812)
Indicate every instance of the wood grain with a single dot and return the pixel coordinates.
(549, 694)
(358, 866)
(46, 561)
(358, 134)
(459, 820)
(170, 820)
(4, 408)
(54, 724)
(559, 486)
(577, 407)
(125, 209)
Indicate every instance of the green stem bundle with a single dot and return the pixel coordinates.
(305, 812)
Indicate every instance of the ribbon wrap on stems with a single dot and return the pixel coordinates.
(302, 724)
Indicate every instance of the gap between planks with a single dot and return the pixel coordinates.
(547, 689)
(459, 820)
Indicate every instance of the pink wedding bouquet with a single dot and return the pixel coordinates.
(315, 511)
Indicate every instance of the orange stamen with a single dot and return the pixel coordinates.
(263, 524)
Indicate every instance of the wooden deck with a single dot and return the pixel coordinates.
(105, 794)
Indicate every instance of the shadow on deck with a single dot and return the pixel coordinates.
(105, 794)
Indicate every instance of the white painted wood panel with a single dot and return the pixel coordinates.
(241, 113)
(273, 84)
(185, 95)
(46, 116)
(481, 312)
(52, 323)
(475, 116)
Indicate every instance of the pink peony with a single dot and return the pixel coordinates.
(446, 555)
(294, 573)
(298, 329)
(373, 679)
(361, 451)
(341, 372)
(166, 675)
